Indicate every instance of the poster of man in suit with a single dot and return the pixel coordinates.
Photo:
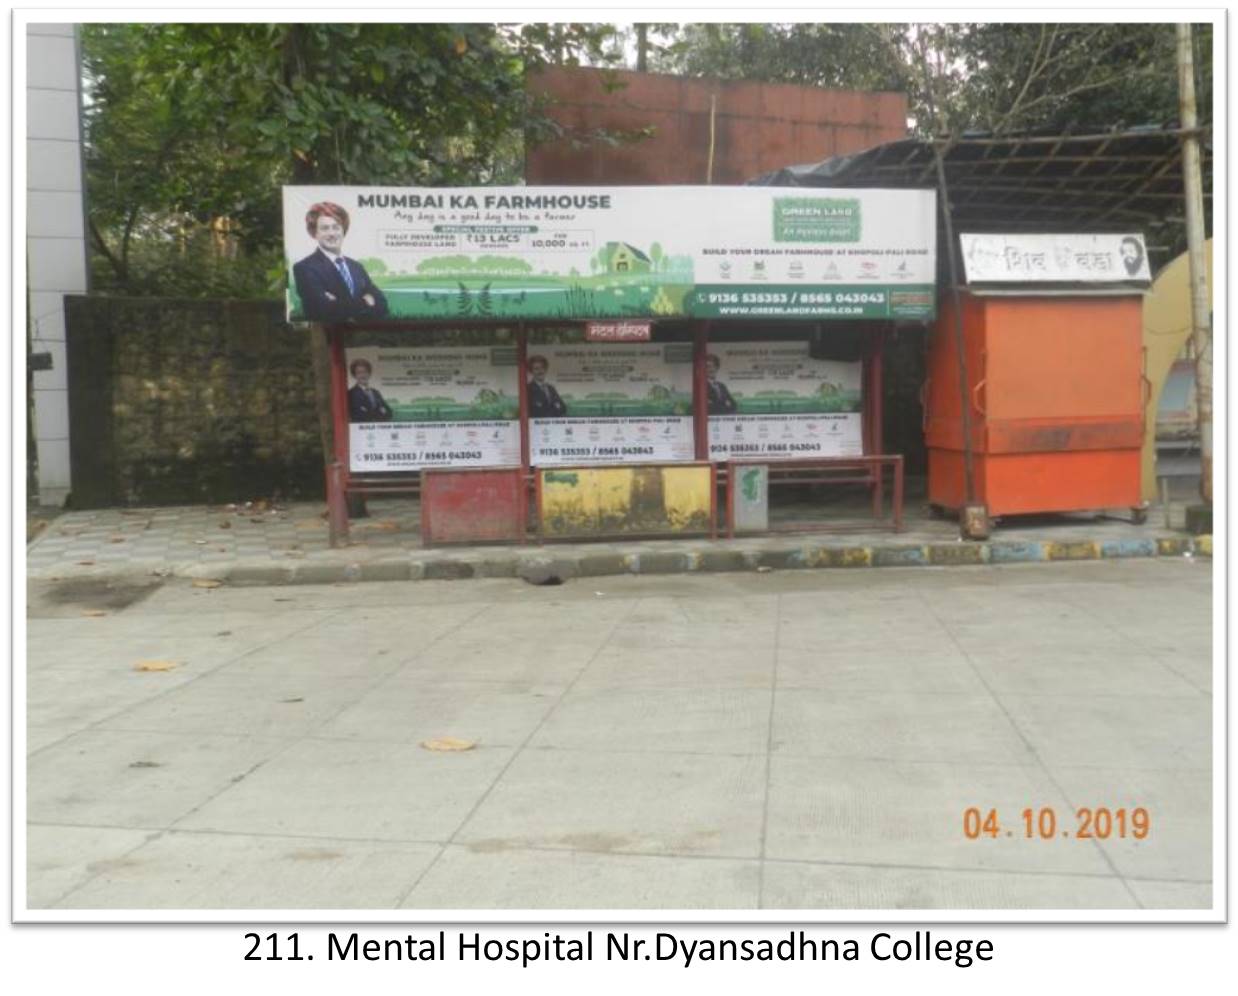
(332, 287)
(418, 406)
(365, 403)
(720, 400)
(544, 400)
(786, 404)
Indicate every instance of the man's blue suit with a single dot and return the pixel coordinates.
(316, 277)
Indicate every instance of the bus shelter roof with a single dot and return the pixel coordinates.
(1093, 181)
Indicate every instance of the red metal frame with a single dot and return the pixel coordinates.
(338, 472)
(700, 391)
(427, 475)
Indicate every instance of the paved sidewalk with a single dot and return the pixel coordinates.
(288, 545)
(791, 740)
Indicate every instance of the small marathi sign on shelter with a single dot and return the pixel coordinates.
(618, 331)
(1022, 258)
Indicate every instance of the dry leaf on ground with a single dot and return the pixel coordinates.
(94, 612)
(206, 583)
(448, 744)
(154, 665)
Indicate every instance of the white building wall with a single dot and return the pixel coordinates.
(55, 233)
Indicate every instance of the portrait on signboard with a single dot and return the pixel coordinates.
(365, 403)
(544, 400)
(720, 400)
(332, 287)
(1132, 255)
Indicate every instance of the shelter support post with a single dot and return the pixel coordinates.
(522, 362)
(337, 471)
(700, 392)
(876, 413)
(973, 518)
(1201, 320)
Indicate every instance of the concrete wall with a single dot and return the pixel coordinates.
(757, 126)
(55, 234)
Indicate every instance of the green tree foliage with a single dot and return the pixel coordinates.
(1012, 77)
(843, 56)
(958, 76)
(192, 128)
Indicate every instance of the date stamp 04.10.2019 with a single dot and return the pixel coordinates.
(1042, 823)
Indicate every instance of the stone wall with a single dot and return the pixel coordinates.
(185, 401)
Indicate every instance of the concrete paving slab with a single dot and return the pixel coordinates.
(1172, 895)
(685, 804)
(804, 886)
(697, 720)
(408, 711)
(60, 858)
(69, 699)
(285, 705)
(1179, 843)
(642, 636)
(931, 669)
(680, 667)
(245, 628)
(286, 660)
(895, 726)
(898, 813)
(995, 633)
(38, 737)
(1115, 731)
(1031, 671)
(337, 788)
(139, 780)
(121, 654)
(199, 871)
(673, 665)
(514, 878)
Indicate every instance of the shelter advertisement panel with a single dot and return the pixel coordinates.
(375, 254)
(610, 403)
(774, 401)
(441, 406)
(1023, 258)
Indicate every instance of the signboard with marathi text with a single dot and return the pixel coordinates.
(1054, 258)
(618, 331)
(376, 254)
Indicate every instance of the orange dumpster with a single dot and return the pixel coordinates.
(1056, 393)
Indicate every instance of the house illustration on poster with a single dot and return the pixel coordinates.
(623, 258)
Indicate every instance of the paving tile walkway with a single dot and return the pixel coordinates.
(796, 740)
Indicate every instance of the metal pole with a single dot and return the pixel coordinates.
(973, 524)
(1201, 320)
(700, 391)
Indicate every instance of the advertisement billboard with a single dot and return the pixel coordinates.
(378, 254)
(774, 401)
(609, 403)
(439, 406)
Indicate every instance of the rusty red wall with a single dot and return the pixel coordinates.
(758, 126)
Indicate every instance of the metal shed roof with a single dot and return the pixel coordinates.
(1099, 181)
